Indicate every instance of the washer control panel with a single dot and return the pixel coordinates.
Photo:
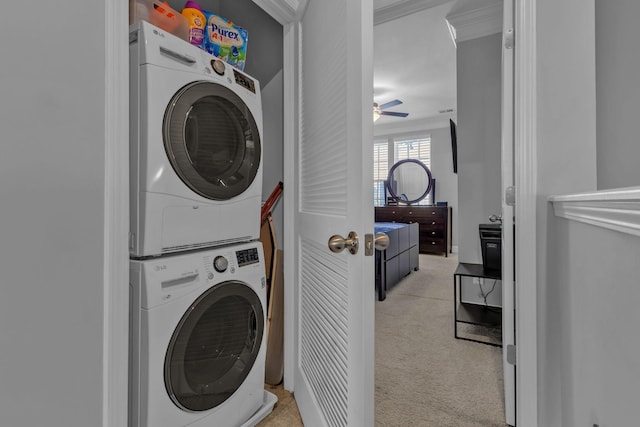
(169, 278)
(247, 257)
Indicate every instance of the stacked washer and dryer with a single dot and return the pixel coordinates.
(197, 276)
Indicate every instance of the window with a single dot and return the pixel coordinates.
(380, 171)
(413, 149)
(418, 148)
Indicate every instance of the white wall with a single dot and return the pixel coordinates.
(272, 157)
(52, 187)
(479, 135)
(566, 161)
(618, 92)
(597, 318)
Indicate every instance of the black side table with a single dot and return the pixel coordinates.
(472, 313)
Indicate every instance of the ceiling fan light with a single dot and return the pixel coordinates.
(376, 112)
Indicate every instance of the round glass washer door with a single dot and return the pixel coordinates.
(212, 140)
(214, 347)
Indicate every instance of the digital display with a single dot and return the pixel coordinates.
(247, 256)
(244, 81)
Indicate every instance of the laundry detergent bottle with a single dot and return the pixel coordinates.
(193, 12)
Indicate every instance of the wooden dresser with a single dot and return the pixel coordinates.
(434, 223)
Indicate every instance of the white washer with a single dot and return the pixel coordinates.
(197, 338)
(195, 147)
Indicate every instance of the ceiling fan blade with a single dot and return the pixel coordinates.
(390, 104)
(393, 113)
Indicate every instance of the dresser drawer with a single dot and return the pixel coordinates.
(410, 216)
(432, 245)
(385, 214)
(433, 224)
(429, 214)
(386, 218)
(432, 233)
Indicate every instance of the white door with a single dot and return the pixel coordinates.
(508, 212)
(334, 352)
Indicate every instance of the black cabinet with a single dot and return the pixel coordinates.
(399, 259)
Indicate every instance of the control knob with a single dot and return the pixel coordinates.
(220, 263)
(218, 66)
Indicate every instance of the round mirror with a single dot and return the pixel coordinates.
(409, 181)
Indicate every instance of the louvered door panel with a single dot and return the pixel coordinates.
(323, 147)
(324, 330)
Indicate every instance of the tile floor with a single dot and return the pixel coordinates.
(285, 413)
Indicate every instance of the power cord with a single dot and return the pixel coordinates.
(486, 295)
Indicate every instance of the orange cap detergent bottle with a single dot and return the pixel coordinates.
(193, 12)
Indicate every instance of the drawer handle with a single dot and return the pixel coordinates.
(433, 223)
(433, 212)
(410, 213)
(433, 232)
(433, 243)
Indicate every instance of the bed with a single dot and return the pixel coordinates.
(399, 259)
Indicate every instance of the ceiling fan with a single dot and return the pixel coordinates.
(379, 110)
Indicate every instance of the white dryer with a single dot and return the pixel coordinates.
(197, 338)
(195, 147)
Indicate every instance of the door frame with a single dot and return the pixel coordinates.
(115, 279)
(508, 252)
(291, 129)
(525, 145)
(526, 172)
(116, 207)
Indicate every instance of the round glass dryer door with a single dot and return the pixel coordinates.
(214, 347)
(212, 140)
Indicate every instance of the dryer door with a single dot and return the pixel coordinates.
(212, 140)
(214, 346)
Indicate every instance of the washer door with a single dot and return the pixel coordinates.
(212, 140)
(214, 346)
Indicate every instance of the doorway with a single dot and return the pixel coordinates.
(479, 192)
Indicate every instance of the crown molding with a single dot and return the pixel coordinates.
(283, 11)
(617, 209)
(404, 8)
(472, 24)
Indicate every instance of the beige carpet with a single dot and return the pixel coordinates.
(424, 376)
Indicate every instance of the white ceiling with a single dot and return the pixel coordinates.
(414, 60)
